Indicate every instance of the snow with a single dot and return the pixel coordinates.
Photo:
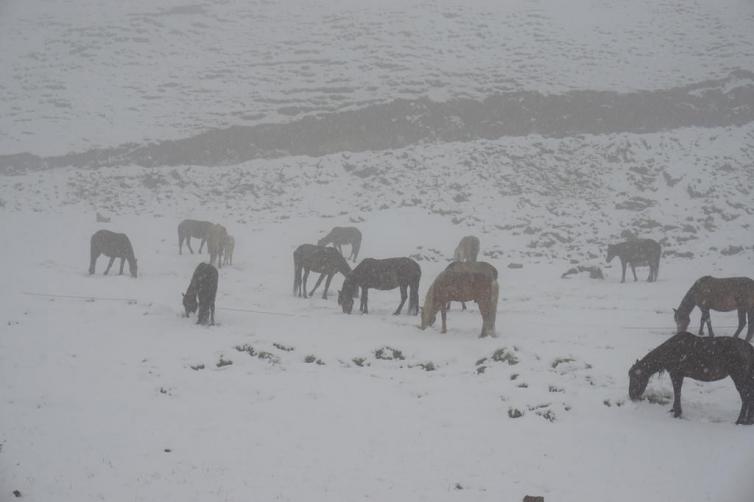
(108, 393)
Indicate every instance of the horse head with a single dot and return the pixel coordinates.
(427, 316)
(189, 303)
(345, 300)
(682, 321)
(638, 378)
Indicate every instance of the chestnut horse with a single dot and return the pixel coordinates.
(462, 286)
(723, 295)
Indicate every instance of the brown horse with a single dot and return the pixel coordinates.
(339, 236)
(472, 266)
(462, 286)
(723, 295)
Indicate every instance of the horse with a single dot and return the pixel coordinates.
(386, 274)
(115, 246)
(339, 236)
(192, 228)
(215, 244)
(325, 260)
(461, 286)
(723, 295)
(467, 249)
(203, 286)
(638, 252)
(472, 266)
(228, 247)
(704, 359)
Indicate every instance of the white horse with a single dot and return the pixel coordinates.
(467, 249)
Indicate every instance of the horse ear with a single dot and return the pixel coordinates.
(675, 311)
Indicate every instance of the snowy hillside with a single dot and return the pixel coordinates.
(548, 130)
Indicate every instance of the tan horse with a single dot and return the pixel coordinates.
(462, 286)
(215, 244)
(467, 249)
(710, 293)
(228, 247)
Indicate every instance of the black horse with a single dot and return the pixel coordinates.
(112, 245)
(325, 260)
(192, 228)
(638, 252)
(705, 359)
(386, 274)
(201, 294)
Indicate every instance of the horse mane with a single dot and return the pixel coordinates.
(429, 310)
(688, 303)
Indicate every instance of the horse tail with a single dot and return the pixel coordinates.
(494, 292)
(296, 275)
(93, 253)
(413, 298)
(355, 247)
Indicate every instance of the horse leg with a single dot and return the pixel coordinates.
(633, 269)
(702, 321)
(623, 276)
(112, 259)
(180, 243)
(201, 245)
(212, 314)
(484, 311)
(741, 322)
(319, 281)
(327, 285)
(364, 300)
(188, 244)
(443, 314)
(677, 383)
(463, 305)
(404, 295)
(709, 324)
(750, 333)
(306, 277)
(122, 262)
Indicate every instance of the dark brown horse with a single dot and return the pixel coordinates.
(386, 274)
(339, 236)
(325, 260)
(201, 294)
(638, 252)
(192, 228)
(462, 286)
(723, 295)
(705, 359)
(113, 245)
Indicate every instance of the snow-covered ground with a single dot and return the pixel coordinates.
(548, 129)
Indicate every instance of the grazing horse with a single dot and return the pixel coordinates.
(215, 244)
(203, 287)
(327, 261)
(462, 286)
(638, 252)
(192, 228)
(705, 359)
(723, 295)
(467, 249)
(228, 247)
(339, 236)
(112, 245)
(472, 266)
(384, 274)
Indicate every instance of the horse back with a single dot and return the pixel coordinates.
(112, 244)
(724, 294)
(462, 286)
(638, 251)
